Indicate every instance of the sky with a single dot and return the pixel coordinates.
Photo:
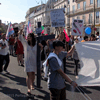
(14, 11)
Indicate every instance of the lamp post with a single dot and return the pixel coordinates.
(68, 5)
(94, 16)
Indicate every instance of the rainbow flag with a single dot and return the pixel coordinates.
(29, 29)
(10, 30)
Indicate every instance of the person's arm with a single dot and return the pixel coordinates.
(22, 39)
(41, 46)
(71, 51)
(66, 77)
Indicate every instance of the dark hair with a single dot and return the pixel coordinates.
(33, 39)
(85, 37)
(92, 35)
(58, 43)
(97, 33)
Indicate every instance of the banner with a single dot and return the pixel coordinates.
(89, 55)
(57, 18)
(77, 27)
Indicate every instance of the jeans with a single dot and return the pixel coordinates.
(2, 59)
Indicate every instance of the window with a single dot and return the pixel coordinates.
(84, 19)
(78, 6)
(68, 1)
(97, 17)
(98, 3)
(68, 21)
(84, 5)
(68, 10)
(62, 6)
(90, 18)
(91, 2)
(78, 17)
(73, 18)
(73, 8)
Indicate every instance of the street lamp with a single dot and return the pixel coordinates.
(94, 16)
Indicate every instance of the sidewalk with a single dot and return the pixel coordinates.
(13, 85)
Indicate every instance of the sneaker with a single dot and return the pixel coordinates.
(45, 78)
(7, 72)
(22, 65)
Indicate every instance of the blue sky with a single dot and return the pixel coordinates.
(15, 10)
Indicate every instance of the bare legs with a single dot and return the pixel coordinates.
(20, 58)
(30, 80)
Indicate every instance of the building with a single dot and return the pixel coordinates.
(88, 10)
(29, 12)
(43, 15)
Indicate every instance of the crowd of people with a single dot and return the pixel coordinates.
(55, 50)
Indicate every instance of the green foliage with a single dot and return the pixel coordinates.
(2, 29)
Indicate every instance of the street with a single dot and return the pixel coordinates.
(13, 85)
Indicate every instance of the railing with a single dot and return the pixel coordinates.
(81, 10)
(78, 1)
(58, 2)
(39, 12)
(67, 24)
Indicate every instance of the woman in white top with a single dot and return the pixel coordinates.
(30, 49)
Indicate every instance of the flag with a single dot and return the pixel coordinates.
(67, 38)
(89, 56)
(42, 30)
(10, 30)
(29, 29)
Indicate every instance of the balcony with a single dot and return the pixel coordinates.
(58, 2)
(39, 12)
(82, 10)
(77, 1)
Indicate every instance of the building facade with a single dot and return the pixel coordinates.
(88, 10)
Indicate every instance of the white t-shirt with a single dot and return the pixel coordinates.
(4, 51)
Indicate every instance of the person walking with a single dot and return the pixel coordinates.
(11, 44)
(76, 59)
(19, 51)
(57, 77)
(4, 54)
(30, 55)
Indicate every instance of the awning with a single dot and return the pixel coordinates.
(98, 25)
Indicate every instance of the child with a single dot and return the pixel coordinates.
(57, 77)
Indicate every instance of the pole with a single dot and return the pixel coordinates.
(38, 59)
(69, 17)
(94, 16)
